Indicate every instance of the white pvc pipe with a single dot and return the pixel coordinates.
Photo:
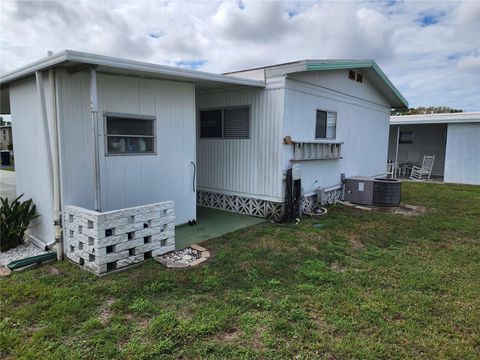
(395, 168)
(55, 167)
(43, 111)
(94, 115)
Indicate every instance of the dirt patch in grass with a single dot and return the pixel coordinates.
(231, 335)
(403, 209)
(355, 242)
(106, 311)
(54, 271)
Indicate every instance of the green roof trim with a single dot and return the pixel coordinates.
(356, 64)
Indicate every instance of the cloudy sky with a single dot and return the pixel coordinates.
(429, 49)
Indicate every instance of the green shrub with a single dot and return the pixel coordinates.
(15, 218)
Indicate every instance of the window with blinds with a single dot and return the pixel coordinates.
(227, 123)
(325, 126)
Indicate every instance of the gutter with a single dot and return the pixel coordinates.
(51, 143)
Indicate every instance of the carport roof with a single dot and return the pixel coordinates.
(448, 118)
(73, 60)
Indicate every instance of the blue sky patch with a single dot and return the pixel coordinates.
(454, 56)
(429, 18)
(190, 64)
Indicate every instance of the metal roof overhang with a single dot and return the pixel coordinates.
(446, 118)
(74, 60)
(78, 61)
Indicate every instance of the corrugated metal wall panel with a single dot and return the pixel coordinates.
(130, 180)
(77, 154)
(463, 146)
(31, 155)
(139, 179)
(251, 167)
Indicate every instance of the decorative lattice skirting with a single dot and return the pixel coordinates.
(108, 241)
(240, 204)
(258, 207)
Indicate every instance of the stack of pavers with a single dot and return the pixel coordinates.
(108, 241)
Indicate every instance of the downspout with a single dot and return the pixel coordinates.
(57, 221)
(94, 115)
(396, 154)
(51, 142)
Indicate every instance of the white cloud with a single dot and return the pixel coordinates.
(430, 50)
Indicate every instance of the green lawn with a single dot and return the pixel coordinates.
(365, 285)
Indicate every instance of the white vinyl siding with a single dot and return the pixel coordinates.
(244, 167)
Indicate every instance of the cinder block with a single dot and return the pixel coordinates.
(72, 256)
(129, 228)
(81, 238)
(93, 250)
(171, 241)
(163, 250)
(147, 232)
(163, 220)
(81, 254)
(95, 233)
(100, 260)
(113, 223)
(130, 261)
(147, 216)
(128, 245)
(146, 247)
(112, 240)
(163, 235)
(113, 215)
(98, 269)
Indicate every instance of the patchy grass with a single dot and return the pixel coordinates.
(365, 285)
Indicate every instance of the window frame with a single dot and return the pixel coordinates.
(200, 123)
(326, 124)
(223, 122)
(129, 116)
(406, 141)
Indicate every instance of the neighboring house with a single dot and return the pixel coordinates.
(6, 137)
(132, 133)
(453, 138)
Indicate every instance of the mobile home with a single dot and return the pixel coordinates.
(100, 139)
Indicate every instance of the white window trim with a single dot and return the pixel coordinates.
(107, 114)
(223, 119)
(315, 124)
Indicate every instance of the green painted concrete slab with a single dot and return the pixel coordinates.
(212, 223)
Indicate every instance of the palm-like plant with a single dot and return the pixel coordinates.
(15, 218)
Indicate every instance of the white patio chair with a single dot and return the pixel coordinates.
(424, 172)
(390, 173)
